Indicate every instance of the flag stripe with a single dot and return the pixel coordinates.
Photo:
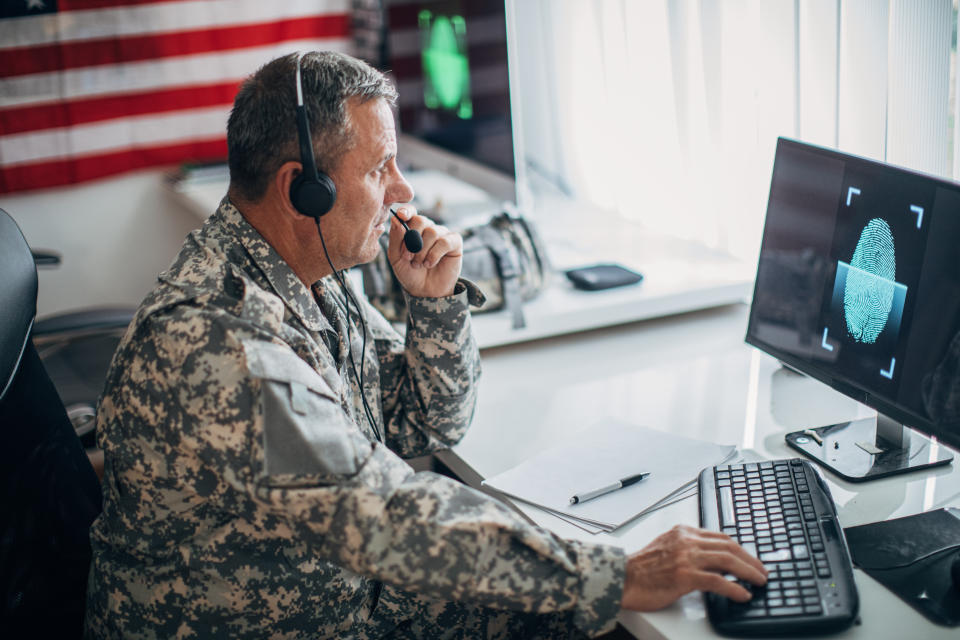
(84, 111)
(30, 147)
(81, 5)
(39, 88)
(102, 87)
(74, 55)
(143, 18)
(68, 171)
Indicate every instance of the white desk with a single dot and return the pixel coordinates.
(693, 375)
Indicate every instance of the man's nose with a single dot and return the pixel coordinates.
(400, 190)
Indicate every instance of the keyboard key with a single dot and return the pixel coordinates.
(786, 611)
(775, 556)
(726, 508)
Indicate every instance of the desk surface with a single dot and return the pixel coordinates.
(692, 375)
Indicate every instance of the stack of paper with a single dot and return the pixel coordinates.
(602, 455)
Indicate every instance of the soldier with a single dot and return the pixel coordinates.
(257, 413)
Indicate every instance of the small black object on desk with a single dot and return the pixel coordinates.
(602, 276)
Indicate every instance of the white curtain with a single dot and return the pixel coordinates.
(668, 111)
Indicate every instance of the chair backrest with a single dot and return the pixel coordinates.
(49, 493)
(18, 298)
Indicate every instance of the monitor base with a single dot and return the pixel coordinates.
(868, 449)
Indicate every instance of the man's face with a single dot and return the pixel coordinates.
(367, 181)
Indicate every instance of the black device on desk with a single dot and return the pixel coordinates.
(783, 513)
(602, 276)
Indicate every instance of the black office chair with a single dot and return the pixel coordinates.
(50, 493)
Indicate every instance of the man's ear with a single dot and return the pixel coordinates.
(282, 180)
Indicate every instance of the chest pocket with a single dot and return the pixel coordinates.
(307, 438)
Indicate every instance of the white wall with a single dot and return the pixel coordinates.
(114, 237)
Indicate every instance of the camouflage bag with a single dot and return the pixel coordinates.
(504, 257)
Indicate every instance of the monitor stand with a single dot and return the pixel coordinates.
(869, 448)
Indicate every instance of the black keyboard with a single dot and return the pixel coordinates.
(782, 513)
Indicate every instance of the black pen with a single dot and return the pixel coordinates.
(596, 493)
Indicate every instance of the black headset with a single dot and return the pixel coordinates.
(312, 193)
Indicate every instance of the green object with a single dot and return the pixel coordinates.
(446, 68)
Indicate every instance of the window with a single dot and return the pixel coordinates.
(668, 112)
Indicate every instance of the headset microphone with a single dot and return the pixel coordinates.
(412, 238)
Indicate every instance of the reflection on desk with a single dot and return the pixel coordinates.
(694, 376)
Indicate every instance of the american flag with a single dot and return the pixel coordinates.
(92, 88)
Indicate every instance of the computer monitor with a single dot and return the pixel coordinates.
(449, 59)
(858, 286)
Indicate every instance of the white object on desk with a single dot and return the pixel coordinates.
(606, 451)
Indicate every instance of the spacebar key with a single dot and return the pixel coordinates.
(727, 518)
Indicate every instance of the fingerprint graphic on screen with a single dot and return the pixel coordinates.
(870, 283)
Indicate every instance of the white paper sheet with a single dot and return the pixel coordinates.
(601, 455)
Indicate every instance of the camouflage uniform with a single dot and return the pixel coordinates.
(247, 496)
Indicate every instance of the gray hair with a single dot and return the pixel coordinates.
(262, 128)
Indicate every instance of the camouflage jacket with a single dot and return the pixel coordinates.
(245, 494)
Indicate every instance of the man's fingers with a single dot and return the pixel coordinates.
(725, 543)
(726, 562)
(438, 243)
(709, 581)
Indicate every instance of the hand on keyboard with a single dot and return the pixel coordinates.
(687, 559)
(781, 511)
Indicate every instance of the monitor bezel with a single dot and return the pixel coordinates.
(834, 380)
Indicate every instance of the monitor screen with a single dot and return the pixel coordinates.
(449, 60)
(858, 283)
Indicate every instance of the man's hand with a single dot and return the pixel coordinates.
(433, 271)
(685, 559)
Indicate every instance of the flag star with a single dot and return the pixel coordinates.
(35, 4)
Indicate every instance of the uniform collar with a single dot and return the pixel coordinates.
(284, 282)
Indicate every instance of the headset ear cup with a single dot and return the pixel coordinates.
(313, 198)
